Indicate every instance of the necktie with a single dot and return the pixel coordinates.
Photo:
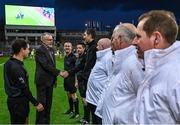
(51, 54)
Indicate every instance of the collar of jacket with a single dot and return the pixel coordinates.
(16, 60)
(91, 43)
(102, 53)
(120, 56)
(70, 54)
(83, 54)
(156, 58)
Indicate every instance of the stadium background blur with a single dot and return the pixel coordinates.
(73, 17)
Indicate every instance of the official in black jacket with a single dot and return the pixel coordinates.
(89, 36)
(78, 69)
(79, 66)
(16, 84)
(69, 81)
(45, 77)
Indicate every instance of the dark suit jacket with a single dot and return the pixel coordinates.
(46, 72)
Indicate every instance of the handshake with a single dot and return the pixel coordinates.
(64, 74)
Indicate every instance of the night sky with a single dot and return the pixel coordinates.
(72, 14)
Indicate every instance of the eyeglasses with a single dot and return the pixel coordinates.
(49, 39)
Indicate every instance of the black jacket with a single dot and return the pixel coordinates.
(46, 72)
(79, 66)
(69, 63)
(16, 80)
(90, 59)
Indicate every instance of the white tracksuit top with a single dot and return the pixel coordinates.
(120, 97)
(99, 76)
(114, 68)
(158, 99)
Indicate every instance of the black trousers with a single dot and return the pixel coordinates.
(82, 88)
(95, 118)
(19, 109)
(44, 96)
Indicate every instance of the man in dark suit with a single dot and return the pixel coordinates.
(45, 77)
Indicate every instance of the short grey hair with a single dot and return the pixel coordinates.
(45, 34)
(127, 34)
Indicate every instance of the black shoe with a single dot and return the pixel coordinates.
(75, 115)
(68, 112)
(85, 122)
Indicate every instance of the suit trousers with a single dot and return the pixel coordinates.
(44, 96)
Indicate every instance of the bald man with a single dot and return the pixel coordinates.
(103, 44)
(120, 95)
(98, 77)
